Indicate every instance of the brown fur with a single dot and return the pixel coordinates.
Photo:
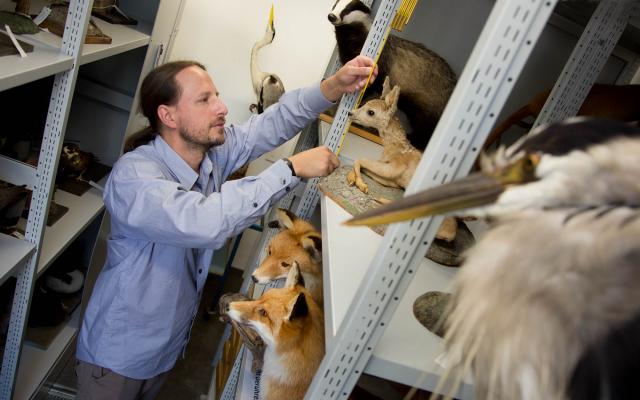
(606, 101)
(399, 158)
(292, 326)
(300, 242)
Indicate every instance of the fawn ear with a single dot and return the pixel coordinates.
(391, 99)
(386, 87)
(285, 219)
(294, 276)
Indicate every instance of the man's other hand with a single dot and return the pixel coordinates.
(350, 78)
(312, 163)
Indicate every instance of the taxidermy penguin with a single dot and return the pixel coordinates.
(267, 87)
(426, 79)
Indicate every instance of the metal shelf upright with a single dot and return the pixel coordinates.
(57, 116)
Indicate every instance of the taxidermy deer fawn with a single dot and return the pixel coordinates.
(425, 77)
(399, 158)
(267, 86)
(291, 326)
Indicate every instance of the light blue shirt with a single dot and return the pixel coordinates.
(166, 221)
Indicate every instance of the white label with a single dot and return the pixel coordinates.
(44, 13)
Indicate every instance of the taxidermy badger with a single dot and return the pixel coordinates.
(426, 79)
(267, 87)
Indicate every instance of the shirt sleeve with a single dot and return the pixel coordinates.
(145, 205)
(264, 132)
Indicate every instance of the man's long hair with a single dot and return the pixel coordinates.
(159, 87)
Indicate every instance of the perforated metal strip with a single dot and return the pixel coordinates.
(372, 46)
(586, 61)
(497, 60)
(62, 91)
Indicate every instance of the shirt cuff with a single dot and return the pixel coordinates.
(279, 177)
(316, 100)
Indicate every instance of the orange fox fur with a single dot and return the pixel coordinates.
(299, 241)
(291, 325)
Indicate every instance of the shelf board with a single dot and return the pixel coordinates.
(123, 38)
(82, 210)
(42, 62)
(14, 253)
(407, 351)
(36, 363)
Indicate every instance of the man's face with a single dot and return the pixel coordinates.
(200, 114)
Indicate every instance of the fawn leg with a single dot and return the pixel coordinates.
(382, 172)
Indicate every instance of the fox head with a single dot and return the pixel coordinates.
(350, 12)
(377, 113)
(298, 242)
(279, 316)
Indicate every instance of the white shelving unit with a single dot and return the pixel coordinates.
(407, 351)
(24, 367)
(14, 253)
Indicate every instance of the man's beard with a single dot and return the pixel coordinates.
(195, 141)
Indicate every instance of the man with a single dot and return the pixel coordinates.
(171, 208)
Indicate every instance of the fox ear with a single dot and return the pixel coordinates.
(312, 243)
(294, 276)
(300, 308)
(285, 219)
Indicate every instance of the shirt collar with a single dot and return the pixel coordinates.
(178, 166)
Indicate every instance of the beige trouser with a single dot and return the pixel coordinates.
(98, 383)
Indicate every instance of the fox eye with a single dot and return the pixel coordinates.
(262, 312)
(371, 112)
(285, 264)
(269, 251)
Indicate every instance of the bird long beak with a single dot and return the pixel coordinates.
(472, 191)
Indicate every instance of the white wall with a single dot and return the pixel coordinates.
(221, 33)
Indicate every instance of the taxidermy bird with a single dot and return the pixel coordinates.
(547, 304)
(426, 79)
(73, 161)
(268, 87)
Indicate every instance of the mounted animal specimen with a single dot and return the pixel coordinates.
(425, 77)
(621, 103)
(399, 158)
(268, 87)
(298, 242)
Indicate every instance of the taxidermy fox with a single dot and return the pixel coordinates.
(426, 79)
(399, 158)
(298, 242)
(267, 86)
(291, 325)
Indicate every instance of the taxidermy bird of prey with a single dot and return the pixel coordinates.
(555, 282)
(267, 87)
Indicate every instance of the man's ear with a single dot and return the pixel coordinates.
(312, 243)
(166, 116)
(294, 276)
(300, 309)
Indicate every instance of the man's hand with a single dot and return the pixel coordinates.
(350, 78)
(312, 163)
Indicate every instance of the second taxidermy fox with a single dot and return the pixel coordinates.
(300, 242)
(292, 327)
